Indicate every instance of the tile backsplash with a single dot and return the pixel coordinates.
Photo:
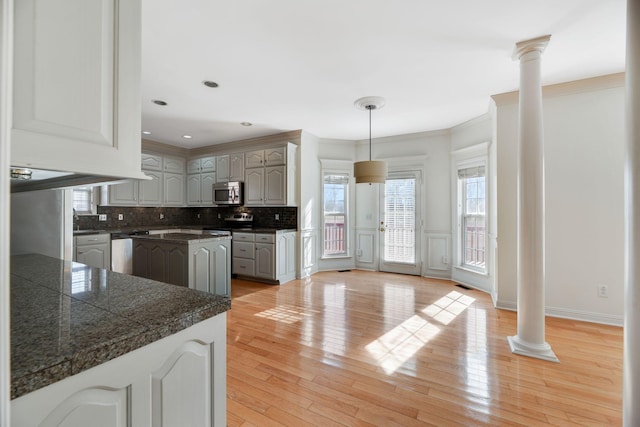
(209, 216)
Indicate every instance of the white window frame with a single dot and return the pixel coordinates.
(463, 215)
(338, 167)
(94, 197)
(469, 157)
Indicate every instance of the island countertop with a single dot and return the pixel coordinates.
(183, 237)
(67, 317)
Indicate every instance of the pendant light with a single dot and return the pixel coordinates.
(371, 171)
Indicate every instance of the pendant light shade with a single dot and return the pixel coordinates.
(370, 171)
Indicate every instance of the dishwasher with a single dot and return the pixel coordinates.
(122, 251)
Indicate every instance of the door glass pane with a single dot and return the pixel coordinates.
(400, 220)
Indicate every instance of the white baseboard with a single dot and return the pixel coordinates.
(565, 313)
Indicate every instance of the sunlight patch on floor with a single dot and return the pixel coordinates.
(447, 308)
(284, 314)
(398, 345)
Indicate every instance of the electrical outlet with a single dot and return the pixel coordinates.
(219, 216)
(198, 216)
(277, 217)
(120, 217)
(161, 216)
(603, 291)
(102, 217)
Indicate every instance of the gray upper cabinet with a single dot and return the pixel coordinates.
(150, 191)
(174, 188)
(77, 93)
(272, 181)
(173, 165)
(151, 162)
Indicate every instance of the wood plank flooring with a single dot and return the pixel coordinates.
(375, 349)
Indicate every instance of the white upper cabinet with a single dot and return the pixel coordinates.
(273, 181)
(77, 86)
(151, 162)
(230, 167)
(174, 165)
(204, 164)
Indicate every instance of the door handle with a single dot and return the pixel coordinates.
(382, 229)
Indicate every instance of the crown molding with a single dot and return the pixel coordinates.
(161, 148)
(268, 141)
(608, 81)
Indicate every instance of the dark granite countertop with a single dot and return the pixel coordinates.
(183, 238)
(67, 317)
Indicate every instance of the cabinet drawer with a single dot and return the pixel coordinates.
(265, 238)
(243, 266)
(243, 237)
(93, 239)
(243, 250)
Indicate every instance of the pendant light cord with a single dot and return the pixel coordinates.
(369, 108)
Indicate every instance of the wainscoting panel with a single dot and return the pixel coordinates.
(438, 255)
(308, 254)
(366, 248)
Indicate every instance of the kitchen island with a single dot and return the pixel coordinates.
(198, 261)
(93, 347)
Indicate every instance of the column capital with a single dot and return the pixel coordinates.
(538, 44)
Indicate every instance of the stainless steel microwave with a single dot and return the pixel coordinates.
(228, 193)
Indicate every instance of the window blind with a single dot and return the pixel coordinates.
(473, 172)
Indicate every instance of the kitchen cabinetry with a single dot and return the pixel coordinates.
(265, 257)
(178, 380)
(165, 188)
(93, 250)
(76, 87)
(230, 167)
(269, 257)
(203, 264)
(204, 164)
(270, 176)
(200, 181)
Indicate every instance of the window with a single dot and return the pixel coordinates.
(83, 200)
(335, 195)
(473, 224)
(400, 220)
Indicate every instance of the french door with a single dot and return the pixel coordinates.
(399, 223)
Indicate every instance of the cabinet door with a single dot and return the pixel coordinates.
(174, 189)
(200, 267)
(254, 159)
(275, 156)
(173, 165)
(100, 407)
(181, 390)
(76, 86)
(236, 167)
(275, 186)
(254, 186)
(94, 255)
(222, 168)
(265, 261)
(193, 166)
(125, 194)
(151, 162)
(194, 192)
(208, 164)
(177, 262)
(206, 188)
(150, 191)
(222, 268)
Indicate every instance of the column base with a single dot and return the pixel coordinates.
(538, 351)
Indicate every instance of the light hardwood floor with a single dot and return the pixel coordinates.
(360, 348)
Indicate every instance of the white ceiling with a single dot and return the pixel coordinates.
(300, 64)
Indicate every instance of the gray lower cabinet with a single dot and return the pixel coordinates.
(93, 250)
(205, 266)
(269, 257)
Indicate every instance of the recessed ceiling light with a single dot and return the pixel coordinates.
(146, 132)
(187, 136)
(159, 102)
(246, 123)
(209, 83)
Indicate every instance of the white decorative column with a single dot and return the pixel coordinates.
(631, 365)
(530, 339)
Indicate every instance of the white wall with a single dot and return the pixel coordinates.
(584, 200)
